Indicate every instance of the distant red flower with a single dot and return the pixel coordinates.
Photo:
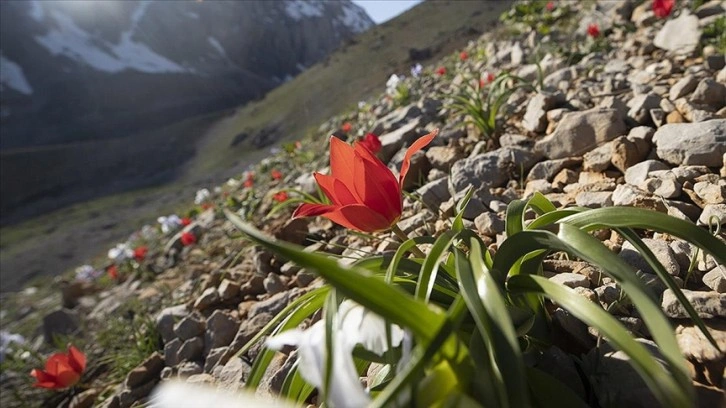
(487, 78)
(186, 221)
(112, 272)
(550, 5)
(372, 143)
(250, 181)
(463, 56)
(276, 175)
(187, 238)
(62, 370)
(206, 206)
(140, 253)
(441, 71)
(593, 30)
(280, 197)
(347, 127)
(663, 8)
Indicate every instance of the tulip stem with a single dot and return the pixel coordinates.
(403, 237)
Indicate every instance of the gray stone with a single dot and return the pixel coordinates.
(443, 157)
(708, 305)
(61, 322)
(662, 187)
(537, 186)
(660, 249)
(171, 350)
(489, 224)
(189, 368)
(713, 212)
(711, 93)
(221, 329)
(641, 105)
(701, 143)
(679, 35)
(695, 346)
(248, 329)
(189, 327)
(434, 193)
(711, 193)
(491, 169)
(215, 357)
(683, 87)
(574, 327)
(579, 132)
(393, 141)
(190, 350)
(254, 286)
(638, 173)
(228, 289)
(548, 169)
(599, 158)
(535, 118)
(209, 297)
(273, 284)
(594, 199)
(233, 374)
(716, 279)
(273, 305)
(572, 280)
(147, 371)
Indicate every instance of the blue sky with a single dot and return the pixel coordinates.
(384, 10)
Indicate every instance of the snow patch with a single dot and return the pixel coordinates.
(355, 18)
(36, 11)
(192, 15)
(12, 76)
(68, 40)
(299, 9)
(217, 46)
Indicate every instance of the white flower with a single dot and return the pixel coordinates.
(6, 339)
(202, 196)
(353, 325)
(392, 84)
(179, 394)
(362, 104)
(233, 182)
(120, 253)
(416, 70)
(148, 232)
(217, 190)
(87, 273)
(169, 223)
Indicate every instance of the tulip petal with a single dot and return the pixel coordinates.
(54, 362)
(377, 188)
(338, 192)
(42, 378)
(341, 161)
(419, 144)
(359, 217)
(311, 210)
(76, 359)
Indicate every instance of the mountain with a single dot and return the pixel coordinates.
(80, 78)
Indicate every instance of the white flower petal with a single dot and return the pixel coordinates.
(178, 394)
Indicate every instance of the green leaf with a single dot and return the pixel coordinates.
(515, 215)
(430, 266)
(551, 392)
(458, 224)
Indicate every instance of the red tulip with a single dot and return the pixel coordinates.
(280, 196)
(593, 30)
(365, 194)
(463, 56)
(487, 78)
(250, 181)
(663, 8)
(276, 175)
(140, 253)
(372, 143)
(186, 221)
(112, 272)
(187, 238)
(347, 127)
(62, 370)
(441, 71)
(550, 5)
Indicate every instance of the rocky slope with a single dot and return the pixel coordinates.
(82, 78)
(635, 116)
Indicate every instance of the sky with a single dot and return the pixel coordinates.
(384, 10)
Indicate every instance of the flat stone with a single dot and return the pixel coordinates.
(492, 168)
(221, 329)
(708, 305)
(702, 143)
(641, 105)
(713, 212)
(683, 87)
(711, 193)
(679, 35)
(434, 193)
(638, 173)
(535, 117)
(489, 224)
(579, 132)
(171, 350)
(660, 249)
(274, 304)
(148, 370)
(190, 326)
(228, 289)
(273, 284)
(443, 157)
(208, 298)
(599, 158)
(548, 169)
(594, 199)
(572, 280)
(695, 346)
(716, 279)
(711, 93)
(191, 350)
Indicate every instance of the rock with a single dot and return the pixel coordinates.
(189, 368)
(273, 305)
(562, 367)
(572, 326)
(679, 35)
(273, 284)
(171, 350)
(713, 212)
(711, 93)
(492, 168)
(535, 118)
(514, 140)
(662, 187)
(708, 305)
(637, 174)
(594, 199)
(629, 196)
(641, 105)
(694, 344)
(295, 231)
(443, 157)
(84, 399)
(683, 87)
(215, 357)
(489, 224)
(694, 113)
(208, 298)
(189, 327)
(190, 350)
(579, 132)
(233, 375)
(254, 286)
(660, 249)
(572, 280)
(61, 322)
(247, 330)
(434, 193)
(711, 193)
(129, 396)
(304, 278)
(716, 279)
(627, 153)
(147, 371)
(221, 329)
(228, 289)
(393, 142)
(548, 169)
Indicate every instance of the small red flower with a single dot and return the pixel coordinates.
(347, 127)
(463, 56)
(187, 238)
(140, 252)
(365, 195)
(298, 145)
(372, 143)
(250, 181)
(280, 197)
(593, 30)
(206, 206)
(276, 175)
(663, 8)
(441, 71)
(550, 5)
(487, 78)
(112, 272)
(62, 370)
(186, 221)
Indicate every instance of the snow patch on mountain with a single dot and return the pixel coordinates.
(69, 40)
(12, 76)
(355, 18)
(299, 9)
(36, 11)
